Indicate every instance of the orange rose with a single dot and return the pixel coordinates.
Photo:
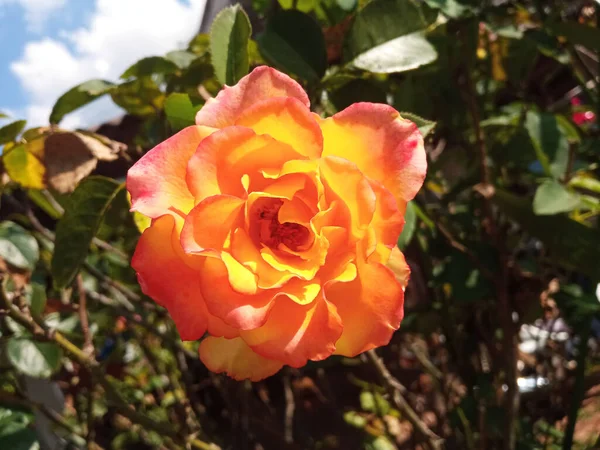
(275, 230)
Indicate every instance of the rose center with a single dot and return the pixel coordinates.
(272, 233)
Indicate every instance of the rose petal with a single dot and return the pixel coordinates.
(235, 358)
(157, 181)
(386, 226)
(260, 84)
(287, 120)
(371, 308)
(397, 264)
(209, 225)
(295, 333)
(245, 251)
(344, 182)
(226, 156)
(241, 311)
(383, 145)
(165, 276)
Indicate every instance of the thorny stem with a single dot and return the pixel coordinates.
(394, 389)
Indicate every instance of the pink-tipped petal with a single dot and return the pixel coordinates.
(384, 146)
(260, 84)
(157, 181)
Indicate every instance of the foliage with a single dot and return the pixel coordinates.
(503, 238)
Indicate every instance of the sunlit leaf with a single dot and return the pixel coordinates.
(79, 96)
(388, 37)
(17, 246)
(229, 36)
(153, 65)
(181, 58)
(33, 358)
(24, 164)
(552, 197)
(550, 142)
(9, 132)
(140, 97)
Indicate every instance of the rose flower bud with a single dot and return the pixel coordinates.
(274, 230)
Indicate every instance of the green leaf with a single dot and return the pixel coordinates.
(304, 6)
(410, 225)
(34, 358)
(374, 402)
(24, 439)
(451, 8)
(388, 36)
(181, 58)
(398, 55)
(294, 42)
(41, 200)
(199, 44)
(15, 430)
(577, 33)
(140, 97)
(379, 443)
(153, 65)
(79, 225)
(229, 37)
(382, 21)
(356, 90)
(571, 244)
(9, 132)
(35, 294)
(425, 126)
(549, 141)
(13, 420)
(355, 419)
(17, 246)
(585, 182)
(576, 304)
(552, 197)
(77, 97)
(180, 111)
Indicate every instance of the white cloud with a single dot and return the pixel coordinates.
(119, 33)
(37, 11)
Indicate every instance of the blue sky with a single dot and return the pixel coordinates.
(48, 46)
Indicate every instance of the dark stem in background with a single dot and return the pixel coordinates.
(395, 389)
(579, 387)
(509, 338)
(290, 406)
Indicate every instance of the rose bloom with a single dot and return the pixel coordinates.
(274, 230)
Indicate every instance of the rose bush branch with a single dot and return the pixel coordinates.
(82, 358)
(395, 389)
